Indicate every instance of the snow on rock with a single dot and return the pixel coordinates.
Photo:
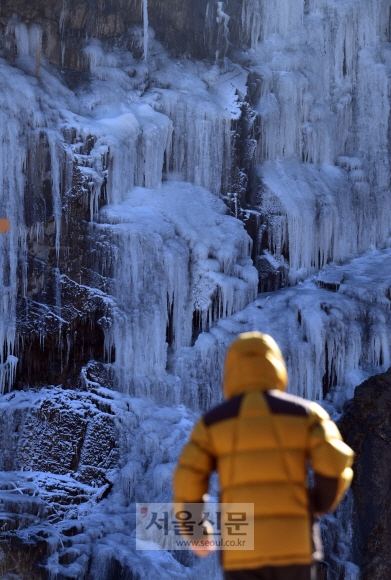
(122, 445)
(128, 149)
(330, 279)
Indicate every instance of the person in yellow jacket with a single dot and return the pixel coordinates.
(261, 440)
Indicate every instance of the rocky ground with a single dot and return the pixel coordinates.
(365, 426)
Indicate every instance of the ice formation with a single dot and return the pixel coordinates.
(316, 83)
(321, 179)
(154, 159)
(198, 266)
(250, 23)
(12, 245)
(198, 261)
(145, 20)
(305, 213)
(322, 163)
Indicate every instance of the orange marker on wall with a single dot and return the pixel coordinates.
(4, 225)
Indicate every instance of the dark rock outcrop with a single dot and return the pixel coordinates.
(75, 463)
(181, 26)
(185, 28)
(62, 448)
(58, 316)
(366, 427)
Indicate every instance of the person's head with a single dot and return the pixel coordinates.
(253, 363)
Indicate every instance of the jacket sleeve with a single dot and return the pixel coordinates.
(197, 461)
(331, 461)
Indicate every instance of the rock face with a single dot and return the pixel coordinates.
(76, 463)
(68, 443)
(365, 426)
(181, 26)
(202, 29)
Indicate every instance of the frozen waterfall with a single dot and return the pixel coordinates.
(145, 20)
(316, 84)
(150, 198)
(177, 266)
(320, 182)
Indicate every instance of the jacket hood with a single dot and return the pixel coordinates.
(253, 363)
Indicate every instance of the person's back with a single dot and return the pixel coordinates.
(260, 440)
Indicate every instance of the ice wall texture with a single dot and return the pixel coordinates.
(168, 259)
(319, 187)
(323, 105)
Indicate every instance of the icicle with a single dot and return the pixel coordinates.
(156, 139)
(22, 39)
(57, 290)
(201, 142)
(277, 17)
(103, 63)
(222, 18)
(145, 21)
(62, 18)
(35, 45)
(303, 204)
(62, 52)
(250, 22)
(15, 109)
(56, 188)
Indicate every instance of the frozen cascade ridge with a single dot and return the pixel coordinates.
(156, 179)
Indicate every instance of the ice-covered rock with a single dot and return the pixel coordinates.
(123, 266)
(365, 426)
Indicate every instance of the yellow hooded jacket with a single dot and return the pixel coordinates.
(260, 440)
